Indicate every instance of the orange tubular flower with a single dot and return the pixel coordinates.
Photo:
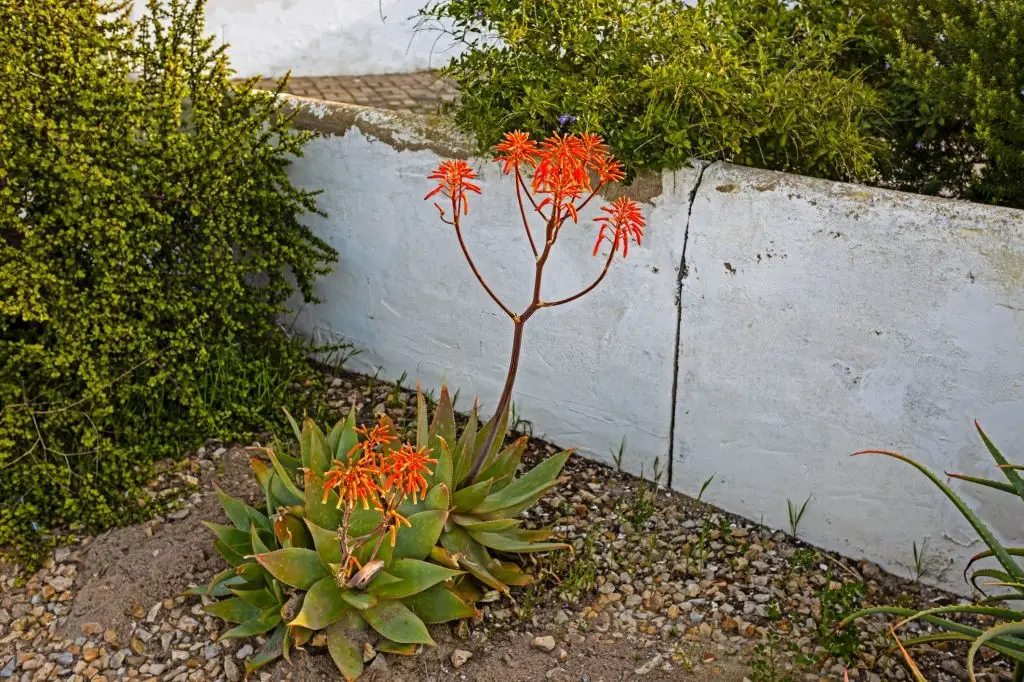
(373, 438)
(624, 221)
(405, 469)
(355, 484)
(454, 177)
(396, 521)
(516, 150)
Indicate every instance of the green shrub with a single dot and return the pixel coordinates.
(150, 237)
(743, 80)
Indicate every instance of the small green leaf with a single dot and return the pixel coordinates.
(324, 514)
(422, 431)
(389, 647)
(285, 478)
(439, 497)
(232, 610)
(294, 566)
(230, 555)
(271, 651)
(232, 537)
(507, 542)
(260, 598)
(360, 600)
(396, 622)
(349, 438)
(294, 424)
(346, 655)
(319, 455)
(472, 523)
(321, 606)
(241, 514)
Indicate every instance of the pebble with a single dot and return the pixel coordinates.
(459, 657)
(545, 643)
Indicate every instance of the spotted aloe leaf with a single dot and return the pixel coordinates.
(270, 652)
(503, 469)
(470, 498)
(327, 544)
(322, 511)
(510, 541)
(360, 600)
(294, 566)
(390, 647)
(395, 621)
(241, 514)
(237, 540)
(321, 606)
(344, 652)
(314, 448)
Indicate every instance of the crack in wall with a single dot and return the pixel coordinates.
(682, 273)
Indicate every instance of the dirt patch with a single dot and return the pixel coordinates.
(130, 568)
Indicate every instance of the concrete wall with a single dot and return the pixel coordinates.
(323, 37)
(814, 319)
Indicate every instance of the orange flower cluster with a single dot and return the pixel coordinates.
(564, 168)
(378, 472)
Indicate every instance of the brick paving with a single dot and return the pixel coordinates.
(422, 92)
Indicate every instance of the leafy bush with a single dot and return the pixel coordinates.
(150, 237)
(1004, 635)
(665, 83)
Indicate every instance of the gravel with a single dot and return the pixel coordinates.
(681, 583)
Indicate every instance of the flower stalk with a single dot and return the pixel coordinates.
(564, 171)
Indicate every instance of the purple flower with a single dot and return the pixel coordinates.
(479, 14)
(919, 145)
(887, 66)
(566, 119)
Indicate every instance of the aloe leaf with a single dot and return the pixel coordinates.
(505, 543)
(1008, 470)
(987, 553)
(389, 647)
(472, 557)
(242, 514)
(271, 651)
(323, 513)
(285, 478)
(443, 424)
(294, 424)
(349, 438)
(988, 483)
(993, 611)
(321, 606)
(422, 430)
(261, 598)
(439, 498)
(994, 574)
(463, 455)
(438, 604)
(470, 498)
(503, 468)
(414, 577)
(544, 474)
(472, 523)
(327, 544)
(425, 528)
(979, 526)
(499, 437)
(509, 573)
(1000, 632)
(266, 620)
(972, 632)
(396, 622)
(256, 542)
(230, 555)
(334, 438)
(236, 539)
(262, 470)
(318, 455)
(294, 566)
(232, 610)
(360, 600)
(442, 472)
(344, 652)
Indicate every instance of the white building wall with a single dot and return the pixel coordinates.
(817, 318)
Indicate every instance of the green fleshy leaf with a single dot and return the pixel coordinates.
(295, 425)
(389, 647)
(327, 544)
(324, 514)
(415, 541)
(499, 437)
(264, 622)
(463, 455)
(236, 539)
(472, 523)
(270, 652)
(321, 606)
(506, 542)
(260, 598)
(349, 437)
(438, 604)
(440, 449)
(422, 430)
(294, 566)
(396, 622)
(1008, 470)
(230, 555)
(232, 610)
(509, 512)
(279, 494)
(256, 543)
(473, 558)
(242, 514)
(284, 477)
(439, 497)
(527, 485)
(470, 498)
(345, 654)
(334, 438)
(443, 424)
(509, 573)
(415, 576)
(318, 455)
(262, 470)
(382, 579)
(503, 468)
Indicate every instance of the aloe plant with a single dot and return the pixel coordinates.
(1007, 635)
(481, 534)
(335, 557)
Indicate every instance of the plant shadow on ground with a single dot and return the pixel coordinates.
(657, 585)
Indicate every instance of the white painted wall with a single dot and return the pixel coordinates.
(323, 37)
(846, 318)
